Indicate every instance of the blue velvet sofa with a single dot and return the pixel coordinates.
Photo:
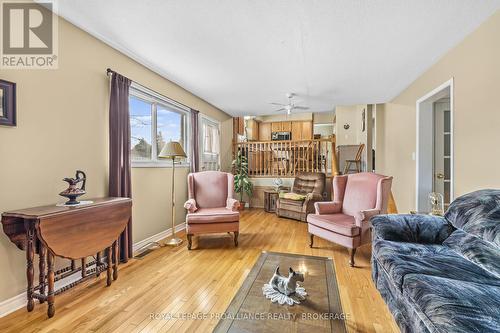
(442, 274)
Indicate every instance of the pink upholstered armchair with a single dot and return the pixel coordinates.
(346, 220)
(211, 206)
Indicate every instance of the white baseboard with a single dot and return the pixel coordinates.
(157, 237)
(17, 302)
(14, 303)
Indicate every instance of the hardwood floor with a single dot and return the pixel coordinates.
(203, 280)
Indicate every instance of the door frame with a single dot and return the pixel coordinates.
(425, 135)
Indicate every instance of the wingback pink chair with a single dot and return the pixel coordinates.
(346, 220)
(211, 206)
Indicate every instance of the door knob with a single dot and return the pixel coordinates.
(439, 176)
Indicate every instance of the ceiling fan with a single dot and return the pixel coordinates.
(290, 106)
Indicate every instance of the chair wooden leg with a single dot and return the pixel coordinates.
(347, 167)
(358, 166)
(190, 240)
(236, 233)
(311, 238)
(352, 252)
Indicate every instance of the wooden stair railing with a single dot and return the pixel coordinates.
(287, 158)
(391, 207)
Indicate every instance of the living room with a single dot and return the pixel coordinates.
(160, 160)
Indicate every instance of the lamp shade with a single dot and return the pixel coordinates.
(172, 149)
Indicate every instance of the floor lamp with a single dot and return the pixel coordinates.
(173, 149)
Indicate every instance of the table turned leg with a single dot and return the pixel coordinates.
(30, 272)
(98, 263)
(109, 268)
(115, 260)
(84, 267)
(42, 252)
(50, 296)
(124, 238)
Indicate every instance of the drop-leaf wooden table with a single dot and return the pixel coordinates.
(73, 233)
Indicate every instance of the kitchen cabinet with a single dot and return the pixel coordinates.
(281, 126)
(252, 130)
(296, 130)
(239, 125)
(307, 130)
(301, 130)
(286, 126)
(265, 132)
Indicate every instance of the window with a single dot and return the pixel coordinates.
(154, 120)
(210, 144)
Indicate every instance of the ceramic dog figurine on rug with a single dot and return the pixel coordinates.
(286, 285)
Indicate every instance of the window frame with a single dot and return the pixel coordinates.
(149, 96)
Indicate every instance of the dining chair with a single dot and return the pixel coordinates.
(356, 161)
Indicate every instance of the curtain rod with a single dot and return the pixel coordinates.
(110, 71)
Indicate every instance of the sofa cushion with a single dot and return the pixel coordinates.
(475, 249)
(338, 223)
(401, 259)
(210, 215)
(477, 213)
(412, 228)
(309, 182)
(293, 196)
(454, 306)
(290, 204)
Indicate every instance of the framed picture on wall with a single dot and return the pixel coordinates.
(363, 120)
(7, 103)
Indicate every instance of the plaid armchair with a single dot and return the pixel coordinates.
(309, 184)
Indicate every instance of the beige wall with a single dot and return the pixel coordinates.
(62, 126)
(351, 115)
(474, 65)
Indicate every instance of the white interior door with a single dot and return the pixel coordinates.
(442, 149)
(210, 144)
(434, 155)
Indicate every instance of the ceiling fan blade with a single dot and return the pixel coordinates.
(301, 107)
(279, 104)
(282, 109)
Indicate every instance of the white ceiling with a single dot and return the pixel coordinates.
(239, 55)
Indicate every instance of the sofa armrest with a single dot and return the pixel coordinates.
(366, 215)
(309, 202)
(327, 207)
(190, 205)
(232, 204)
(425, 229)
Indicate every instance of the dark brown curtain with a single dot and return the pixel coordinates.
(195, 142)
(119, 152)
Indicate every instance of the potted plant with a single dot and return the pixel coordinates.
(242, 183)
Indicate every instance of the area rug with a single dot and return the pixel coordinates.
(321, 311)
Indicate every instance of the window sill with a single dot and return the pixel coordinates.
(158, 165)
